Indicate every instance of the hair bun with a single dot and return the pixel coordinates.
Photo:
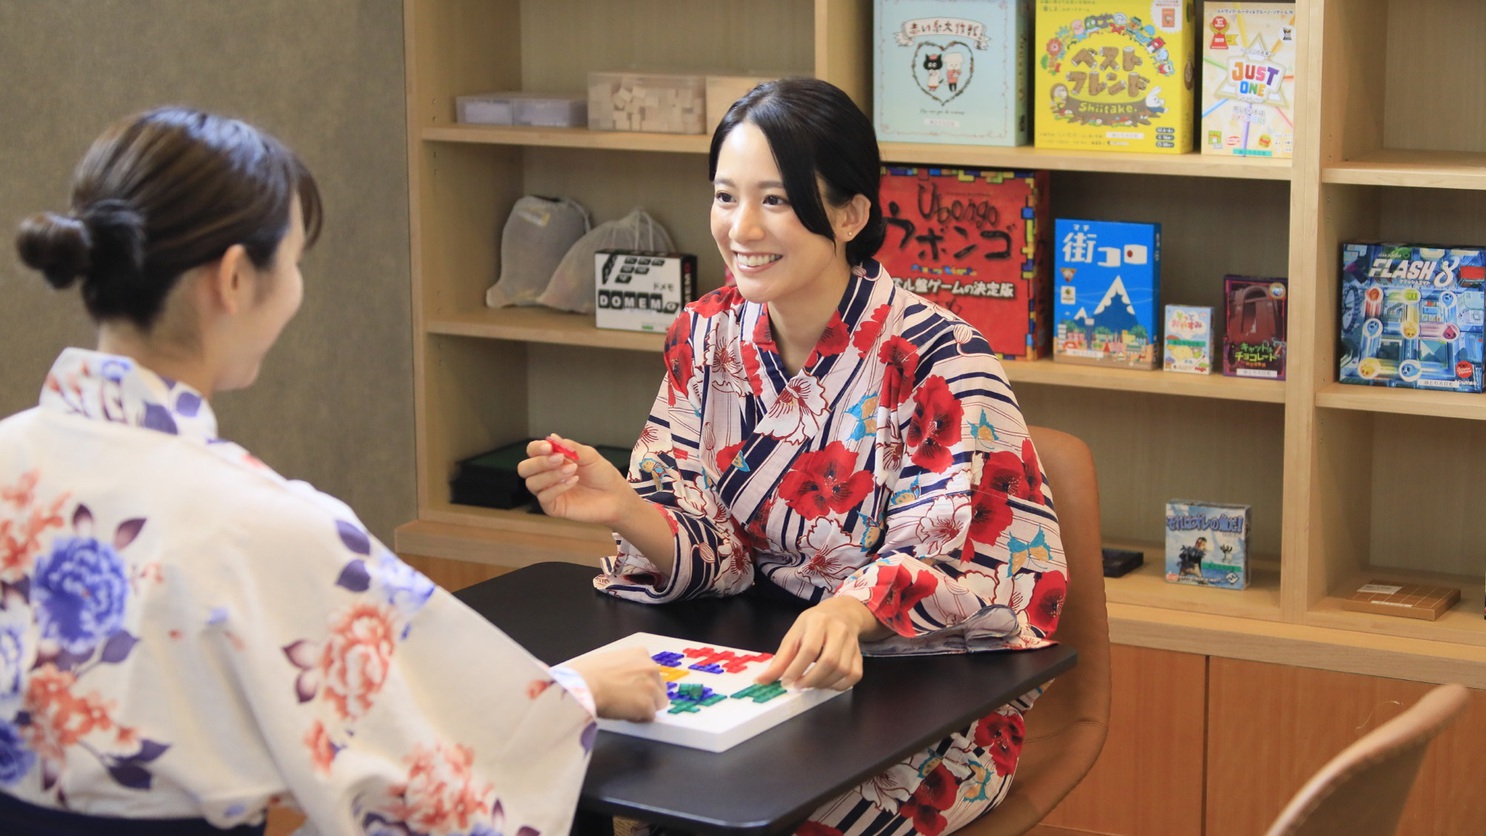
(117, 232)
(60, 246)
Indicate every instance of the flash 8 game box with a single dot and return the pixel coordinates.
(1412, 316)
(973, 241)
(952, 71)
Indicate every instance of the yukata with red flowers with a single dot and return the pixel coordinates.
(185, 634)
(895, 468)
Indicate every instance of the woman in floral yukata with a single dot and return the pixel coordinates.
(826, 433)
(186, 637)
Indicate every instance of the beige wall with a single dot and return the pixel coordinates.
(334, 402)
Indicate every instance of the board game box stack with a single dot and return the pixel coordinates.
(1248, 79)
(1207, 544)
(1106, 309)
(974, 242)
(1188, 344)
(952, 71)
(1114, 75)
(1255, 326)
(1413, 316)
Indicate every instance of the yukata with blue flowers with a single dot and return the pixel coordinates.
(186, 634)
(895, 468)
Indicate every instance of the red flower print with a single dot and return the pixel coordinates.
(751, 369)
(356, 658)
(895, 592)
(728, 456)
(322, 750)
(60, 718)
(832, 341)
(1032, 471)
(719, 300)
(678, 357)
(927, 804)
(825, 482)
(440, 794)
(1001, 735)
(901, 359)
(1047, 602)
(815, 828)
(1004, 474)
(763, 332)
(990, 514)
(935, 425)
(869, 329)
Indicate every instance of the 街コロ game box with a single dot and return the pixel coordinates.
(1255, 325)
(1413, 316)
(973, 241)
(1114, 75)
(1207, 544)
(1188, 339)
(952, 71)
(1248, 79)
(1107, 293)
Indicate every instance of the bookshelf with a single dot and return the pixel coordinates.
(1346, 482)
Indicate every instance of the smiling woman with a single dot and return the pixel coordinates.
(824, 433)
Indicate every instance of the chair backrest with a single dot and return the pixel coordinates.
(1067, 726)
(1361, 791)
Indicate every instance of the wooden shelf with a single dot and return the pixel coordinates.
(1147, 587)
(540, 325)
(1412, 169)
(1026, 157)
(1467, 405)
(1152, 381)
(581, 138)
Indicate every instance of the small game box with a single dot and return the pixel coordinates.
(715, 704)
(1248, 79)
(1114, 75)
(952, 71)
(1107, 302)
(649, 102)
(638, 290)
(1255, 326)
(1408, 600)
(1189, 339)
(1121, 562)
(1207, 544)
(1413, 316)
(974, 241)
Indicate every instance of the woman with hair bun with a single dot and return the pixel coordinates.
(186, 637)
(823, 434)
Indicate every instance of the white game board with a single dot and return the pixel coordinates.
(719, 724)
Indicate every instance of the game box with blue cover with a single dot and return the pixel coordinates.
(1107, 301)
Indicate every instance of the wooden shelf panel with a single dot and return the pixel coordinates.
(582, 138)
(1412, 169)
(1467, 405)
(1147, 587)
(1111, 162)
(540, 325)
(1153, 381)
(1461, 624)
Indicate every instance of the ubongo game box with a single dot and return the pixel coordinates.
(1207, 544)
(1248, 79)
(952, 71)
(974, 242)
(1412, 316)
(1107, 306)
(1114, 75)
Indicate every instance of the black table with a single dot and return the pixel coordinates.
(773, 781)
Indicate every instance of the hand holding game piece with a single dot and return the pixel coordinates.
(625, 684)
(559, 447)
(823, 648)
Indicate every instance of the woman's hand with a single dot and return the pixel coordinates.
(625, 684)
(587, 490)
(823, 648)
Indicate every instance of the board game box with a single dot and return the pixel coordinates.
(715, 704)
(1188, 341)
(1106, 308)
(1207, 544)
(1114, 75)
(1255, 326)
(974, 242)
(1248, 79)
(952, 71)
(1409, 600)
(638, 290)
(1413, 316)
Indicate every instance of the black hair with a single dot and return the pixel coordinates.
(815, 129)
(160, 193)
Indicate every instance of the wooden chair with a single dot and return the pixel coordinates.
(1067, 726)
(1361, 791)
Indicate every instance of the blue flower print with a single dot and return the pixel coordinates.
(406, 588)
(15, 759)
(79, 592)
(11, 662)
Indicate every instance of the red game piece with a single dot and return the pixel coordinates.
(559, 447)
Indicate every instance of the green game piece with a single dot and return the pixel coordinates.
(683, 707)
(760, 693)
(690, 689)
(712, 700)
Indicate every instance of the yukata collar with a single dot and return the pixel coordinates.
(108, 387)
